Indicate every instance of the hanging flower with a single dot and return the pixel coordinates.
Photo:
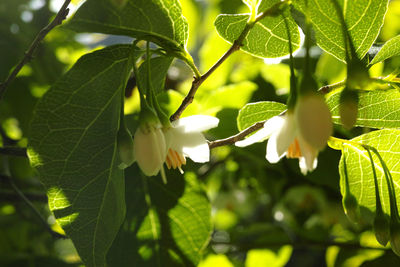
(149, 149)
(289, 136)
(184, 139)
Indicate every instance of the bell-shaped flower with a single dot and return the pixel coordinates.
(289, 136)
(150, 150)
(184, 139)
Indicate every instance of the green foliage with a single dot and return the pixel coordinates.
(256, 112)
(390, 49)
(75, 150)
(165, 225)
(364, 19)
(360, 175)
(234, 208)
(159, 21)
(268, 37)
(376, 109)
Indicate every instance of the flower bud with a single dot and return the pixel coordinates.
(149, 149)
(348, 107)
(395, 236)
(125, 147)
(314, 119)
(350, 206)
(382, 229)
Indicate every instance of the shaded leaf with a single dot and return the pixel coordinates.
(73, 147)
(390, 49)
(259, 111)
(376, 109)
(166, 224)
(159, 21)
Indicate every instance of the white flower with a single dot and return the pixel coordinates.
(184, 139)
(150, 149)
(284, 139)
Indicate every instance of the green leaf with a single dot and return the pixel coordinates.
(364, 19)
(166, 224)
(361, 179)
(159, 21)
(73, 148)
(376, 109)
(259, 111)
(159, 68)
(390, 49)
(268, 38)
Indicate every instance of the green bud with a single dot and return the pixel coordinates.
(350, 206)
(395, 236)
(348, 107)
(382, 229)
(125, 147)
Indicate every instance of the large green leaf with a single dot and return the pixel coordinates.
(268, 38)
(166, 224)
(361, 180)
(364, 19)
(390, 49)
(159, 21)
(73, 147)
(376, 109)
(259, 111)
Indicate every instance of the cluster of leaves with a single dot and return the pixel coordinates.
(263, 213)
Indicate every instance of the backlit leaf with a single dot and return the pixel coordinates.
(259, 111)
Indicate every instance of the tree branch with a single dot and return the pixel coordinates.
(13, 151)
(61, 15)
(235, 47)
(233, 139)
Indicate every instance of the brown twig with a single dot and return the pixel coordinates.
(58, 19)
(13, 151)
(235, 47)
(233, 139)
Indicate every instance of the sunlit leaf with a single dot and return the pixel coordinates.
(376, 109)
(364, 19)
(73, 147)
(159, 21)
(390, 49)
(259, 111)
(361, 179)
(268, 38)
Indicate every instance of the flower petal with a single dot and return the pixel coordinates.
(280, 141)
(195, 123)
(270, 126)
(308, 161)
(195, 147)
(307, 168)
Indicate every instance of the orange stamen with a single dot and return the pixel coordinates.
(294, 150)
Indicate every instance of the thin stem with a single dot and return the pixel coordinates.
(233, 139)
(58, 19)
(13, 151)
(198, 80)
(377, 197)
(35, 211)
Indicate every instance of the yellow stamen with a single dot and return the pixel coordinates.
(175, 160)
